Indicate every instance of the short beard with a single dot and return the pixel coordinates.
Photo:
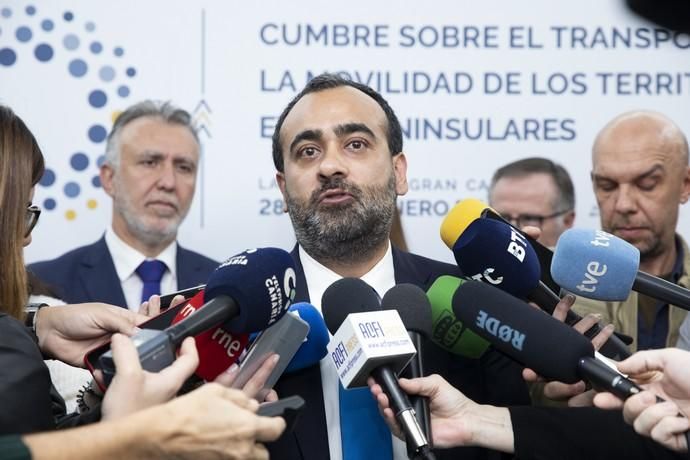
(147, 234)
(345, 234)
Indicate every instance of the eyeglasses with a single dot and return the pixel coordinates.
(31, 219)
(532, 220)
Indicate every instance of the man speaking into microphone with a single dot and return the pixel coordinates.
(338, 152)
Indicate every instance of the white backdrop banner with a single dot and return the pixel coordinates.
(475, 85)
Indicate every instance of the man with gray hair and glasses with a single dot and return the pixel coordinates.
(150, 170)
(535, 192)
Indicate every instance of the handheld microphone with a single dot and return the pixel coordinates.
(247, 292)
(218, 349)
(534, 339)
(446, 331)
(494, 252)
(414, 309)
(352, 312)
(313, 349)
(466, 211)
(601, 266)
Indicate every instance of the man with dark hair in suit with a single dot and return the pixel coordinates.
(150, 170)
(337, 148)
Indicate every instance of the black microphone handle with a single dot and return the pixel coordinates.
(420, 404)
(402, 408)
(613, 348)
(213, 313)
(663, 290)
(604, 378)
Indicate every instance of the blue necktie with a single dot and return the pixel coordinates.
(151, 272)
(363, 433)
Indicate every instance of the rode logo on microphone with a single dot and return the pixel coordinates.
(501, 331)
(517, 245)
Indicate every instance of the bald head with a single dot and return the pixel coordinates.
(640, 175)
(632, 131)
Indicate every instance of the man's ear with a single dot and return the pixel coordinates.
(400, 171)
(280, 179)
(106, 175)
(685, 192)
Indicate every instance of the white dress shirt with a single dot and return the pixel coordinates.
(126, 260)
(381, 277)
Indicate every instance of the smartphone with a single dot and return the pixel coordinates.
(186, 293)
(283, 338)
(160, 322)
(289, 408)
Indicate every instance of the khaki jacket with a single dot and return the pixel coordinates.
(623, 315)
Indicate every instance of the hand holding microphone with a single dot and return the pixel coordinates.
(246, 293)
(663, 372)
(494, 252)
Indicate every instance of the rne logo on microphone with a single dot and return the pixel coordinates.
(493, 326)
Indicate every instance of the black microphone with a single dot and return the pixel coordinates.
(527, 335)
(352, 295)
(414, 309)
(494, 252)
(536, 340)
(248, 292)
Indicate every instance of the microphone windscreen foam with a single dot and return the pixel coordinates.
(458, 218)
(345, 296)
(526, 334)
(595, 264)
(262, 283)
(412, 305)
(313, 349)
(446, 331)
(494, 252)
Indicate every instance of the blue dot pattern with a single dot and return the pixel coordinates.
(24, 34)
(44, 52)
(72, 189)
(97, 99)
(49, 204)
(71, 41)
(7, 57)
(79, 161)
(77, 68)
(97, 133)
(48, 178)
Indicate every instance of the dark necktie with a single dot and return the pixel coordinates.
(151, 272)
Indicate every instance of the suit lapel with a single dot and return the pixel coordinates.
(406, 271)
(98, 276)
(312, 434)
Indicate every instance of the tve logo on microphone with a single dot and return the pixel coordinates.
(502, 331)
(595, 270)
(367, 340)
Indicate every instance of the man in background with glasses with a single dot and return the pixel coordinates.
(535, 192)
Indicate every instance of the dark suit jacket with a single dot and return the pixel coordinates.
(87, 274)
(574, 433)
(491, 379)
